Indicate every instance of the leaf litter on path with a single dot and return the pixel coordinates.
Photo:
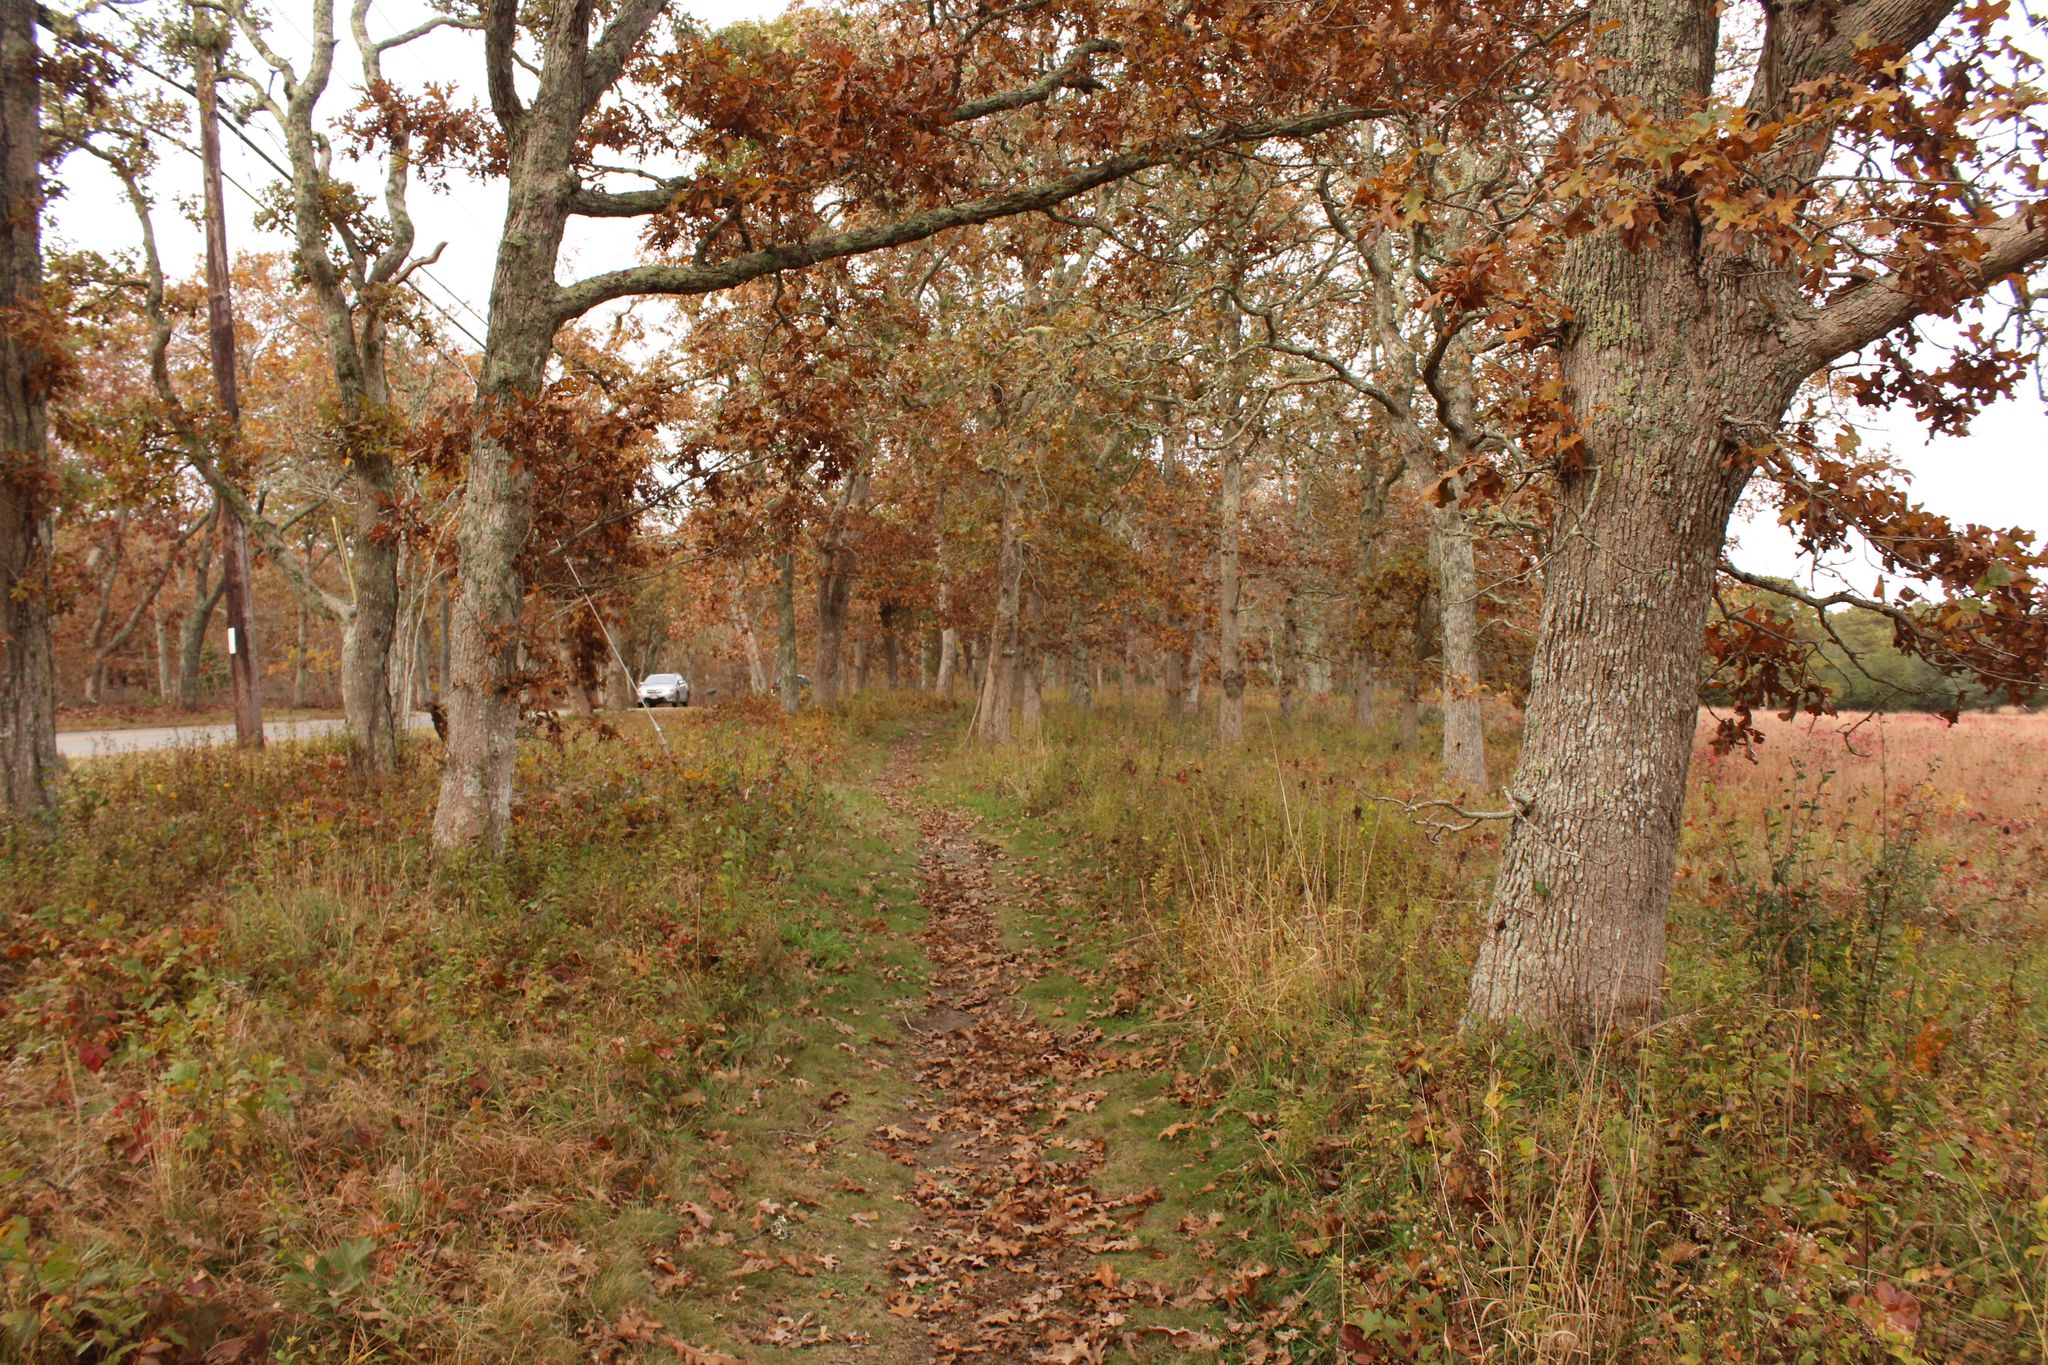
(1004, 1258)
(1012, 1241)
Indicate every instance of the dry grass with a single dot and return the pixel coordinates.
(1831, 1150)
(272, 1077)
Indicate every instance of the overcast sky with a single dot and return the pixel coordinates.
(1996, 476)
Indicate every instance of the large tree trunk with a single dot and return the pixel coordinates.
(1660, 358)
(998, 688)
(835, 591)
(445, 638)
(1407, 717)
(475, 808)
(1287, 664)
(621, 689)
(1080, 671)
(1229, 592)
(1031, 696)
(1362, 683)
(1031, 666)
(237, 572)
(1173, 668)
(949, 635)
(415, 696)
(1576, 928)
(28, 685)
(1407, 720)
(785, 632)
(104, 562)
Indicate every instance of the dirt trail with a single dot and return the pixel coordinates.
(1001, 1260)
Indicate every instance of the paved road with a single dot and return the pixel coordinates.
(91, 743)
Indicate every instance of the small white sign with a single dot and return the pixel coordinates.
(231, 640)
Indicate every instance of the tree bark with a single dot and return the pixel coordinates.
(1172, 672)
(1031, 697)
(998, 689)
(1362, 683)
(837, 563)
(166, 676)
(949, 661)
(750, 643)
(891, 615)
(1287, 662)
(949, 634)
(299, 663)
(192, 633)
(1229, 591)
(1675, 356)
(785, 632)
(1407, 717)
(1080, 671)
(621, 687)
(475, 808)
(245, 676)
(29, 765)
(368, 706)
(1457, 580)
(444, 636)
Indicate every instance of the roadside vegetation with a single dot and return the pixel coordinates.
(276, 1081)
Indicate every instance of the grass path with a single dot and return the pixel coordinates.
(1004, 1255)
(976, 1144)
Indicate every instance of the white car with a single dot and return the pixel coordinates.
(665, 689)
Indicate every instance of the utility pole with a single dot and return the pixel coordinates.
(220, 318)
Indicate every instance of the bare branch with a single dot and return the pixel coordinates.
(1462, 819)
(422, 30)
(501, 32)
(579, 298)
(1068, 75)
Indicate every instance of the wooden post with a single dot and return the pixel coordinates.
(220, 318)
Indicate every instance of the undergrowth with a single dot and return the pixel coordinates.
(276, 1081)
(1830, 1149)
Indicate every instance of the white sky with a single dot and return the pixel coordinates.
(1997, 475)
